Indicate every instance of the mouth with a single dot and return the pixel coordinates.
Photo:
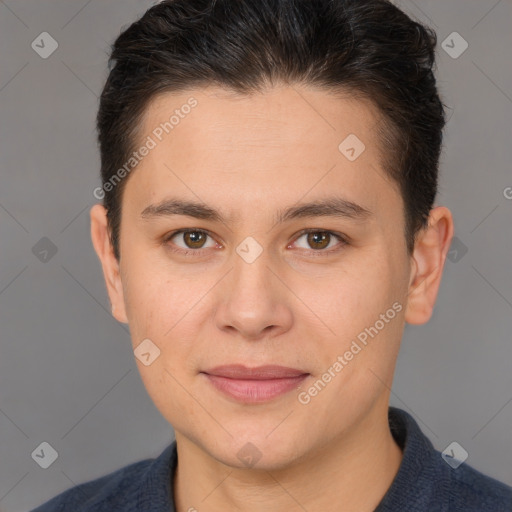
(254, 385)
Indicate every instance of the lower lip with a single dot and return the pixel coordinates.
(255, 391)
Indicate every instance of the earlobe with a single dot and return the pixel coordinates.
(111, 273)
(428, 260)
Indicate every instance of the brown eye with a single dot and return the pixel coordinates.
(320, 241)
(317, 239)
(185, 239)
(194, 239)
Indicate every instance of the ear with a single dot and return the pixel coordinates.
(428, 258)
(101, 242)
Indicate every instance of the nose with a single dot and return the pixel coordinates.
(253, 302)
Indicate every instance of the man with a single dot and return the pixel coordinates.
(269, 171)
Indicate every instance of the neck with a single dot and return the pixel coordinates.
(351, 472)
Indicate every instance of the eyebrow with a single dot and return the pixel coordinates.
(327, 207)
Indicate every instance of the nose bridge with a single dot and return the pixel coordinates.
(251, 276)
(250, 302)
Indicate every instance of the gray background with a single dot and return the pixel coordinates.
(67, 372)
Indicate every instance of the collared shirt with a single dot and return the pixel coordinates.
(425, 482)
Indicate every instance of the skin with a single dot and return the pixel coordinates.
(249, 157)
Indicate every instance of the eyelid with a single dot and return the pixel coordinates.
(167, 238)
(343, 240)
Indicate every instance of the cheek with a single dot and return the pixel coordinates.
(142, 301)
(166, 309)
(355, 294)
(157, 310)
(362, 307)
(153, 295)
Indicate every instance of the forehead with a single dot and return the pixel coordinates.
(281, 143)
(284, 115)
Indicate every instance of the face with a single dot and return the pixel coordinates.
(294, 255)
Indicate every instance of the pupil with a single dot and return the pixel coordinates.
(315, 238)
(195, 237)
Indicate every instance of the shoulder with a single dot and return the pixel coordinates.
(472, 491)
(120, 490)
(427, 481)
(89, 495)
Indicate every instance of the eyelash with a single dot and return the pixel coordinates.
(318, 252)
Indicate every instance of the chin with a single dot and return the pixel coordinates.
(258, 451)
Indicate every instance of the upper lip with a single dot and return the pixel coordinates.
(239, 371)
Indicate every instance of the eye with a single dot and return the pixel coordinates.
(321, 241)
(194, 239)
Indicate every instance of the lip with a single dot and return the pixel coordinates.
(239, 371)
(255, 385)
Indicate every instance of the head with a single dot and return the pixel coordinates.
(297, 143)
